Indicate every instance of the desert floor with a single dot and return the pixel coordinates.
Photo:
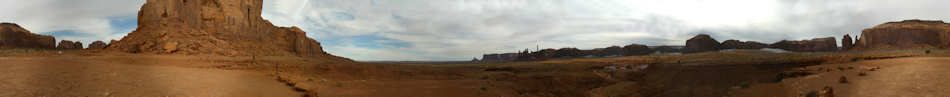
(730, 73)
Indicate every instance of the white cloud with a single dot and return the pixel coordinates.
(91, 19)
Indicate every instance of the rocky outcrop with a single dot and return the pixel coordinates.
(905, 34)
(568, 53)
(68, 44)
(636, 49)
(813, 45)
(846, 42)
(97, 45)
(14, 36)
(701, 43)
(222, 27)
(736, 44)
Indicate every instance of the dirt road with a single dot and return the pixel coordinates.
(899, 77)
(69, 76)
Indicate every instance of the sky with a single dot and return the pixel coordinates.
(447, 30)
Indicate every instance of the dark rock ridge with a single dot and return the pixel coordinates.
(813, 45)
(736, 44)
(14, 36)
(846, 42)
(499, 57)
(97, 45)
(68, 44)
(905, 34)
(701, 43)
(222, 27)
(545, 54)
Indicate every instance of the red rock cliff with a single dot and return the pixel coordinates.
(14, 36)
(224, 27)
(905, 34)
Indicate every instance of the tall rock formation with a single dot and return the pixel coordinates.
(905, 34)
(14, 36)
(813, 45)
(68, 44)
(223, 27)
(701, 43)
(846, 42)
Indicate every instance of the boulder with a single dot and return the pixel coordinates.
(14, 36)
(636, 49)
(701, 43)
(736, 44)
(813, 45)
(905, 34)
(68, 44)
(219, 27)
(97, 45)
(846, 42)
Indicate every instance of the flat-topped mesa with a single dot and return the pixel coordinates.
(224, 27)
(905, 34)
(814, 45)
(14, 36)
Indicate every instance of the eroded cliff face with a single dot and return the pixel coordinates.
(14, 36)
(224, 27)
(905, 34)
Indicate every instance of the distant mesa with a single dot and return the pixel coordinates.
(701, 43)
(219, 27)
(14, 36)
(736, 44)
(814, 45)
(905, 34)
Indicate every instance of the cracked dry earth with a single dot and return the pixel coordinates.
(99, 76)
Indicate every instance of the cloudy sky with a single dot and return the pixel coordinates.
(439, 30)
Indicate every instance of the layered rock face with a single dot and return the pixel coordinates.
(846, 42)
(96, 45)
(701, 43)
(14, 36)
(905, 34)
(736, 44)
(68, 44)
(223, 27)
(813, 45)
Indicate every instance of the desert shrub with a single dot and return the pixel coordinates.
(811, 93)
(743, 84)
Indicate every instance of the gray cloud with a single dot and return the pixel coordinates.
(461, 29)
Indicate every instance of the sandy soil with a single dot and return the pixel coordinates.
(65, 76)
(900, 77)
